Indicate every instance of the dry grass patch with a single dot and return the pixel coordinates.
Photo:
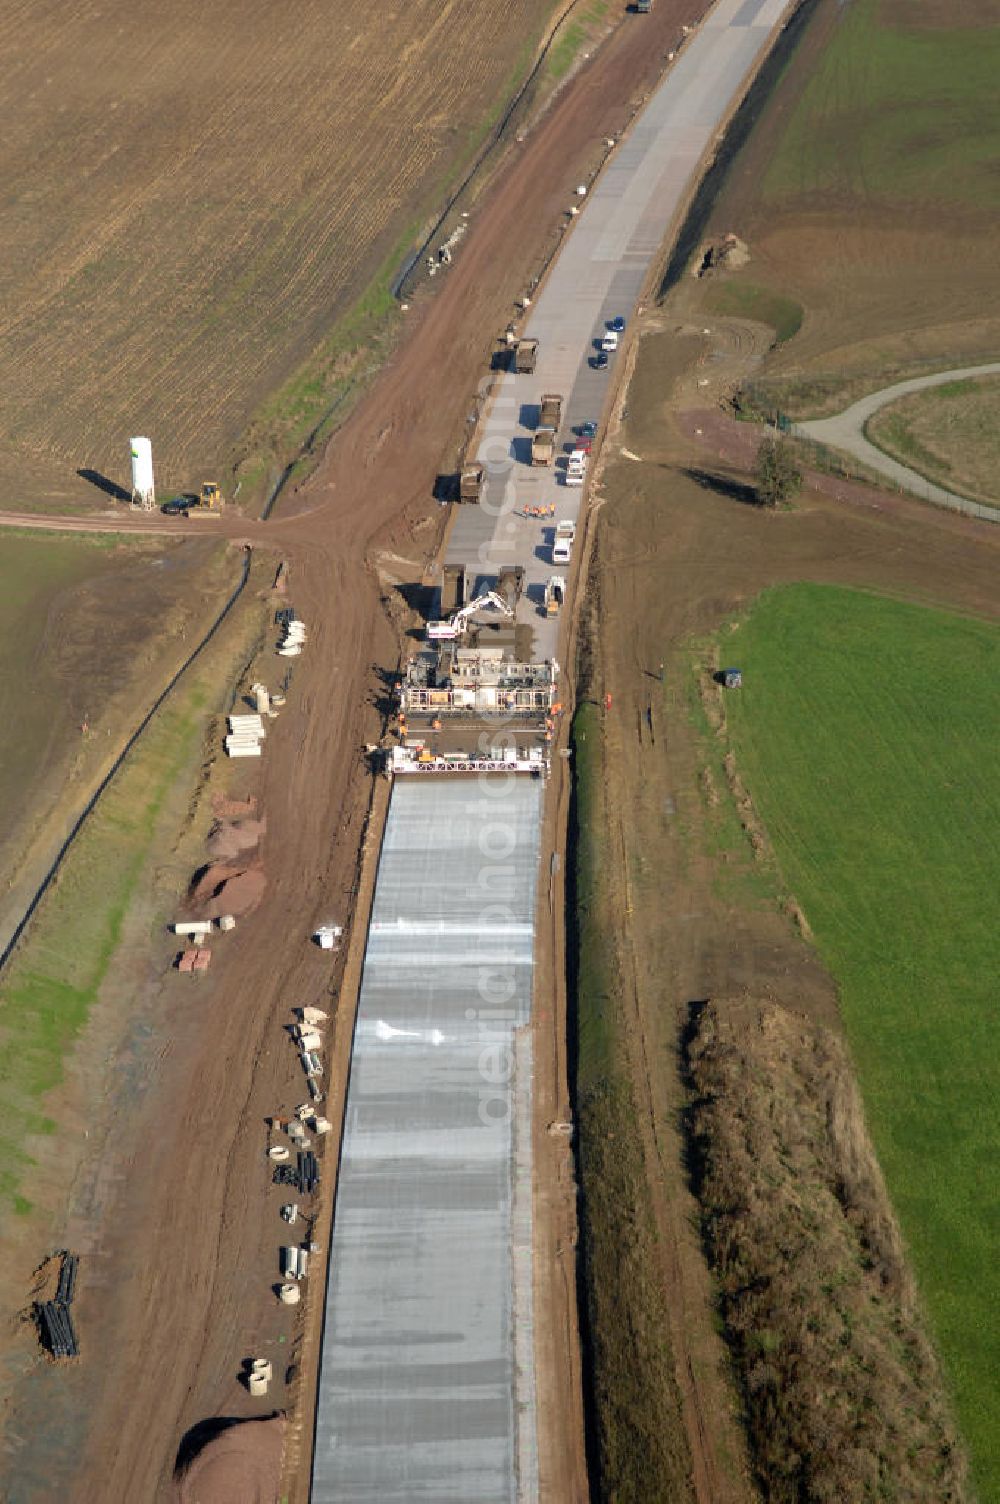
(949, 433)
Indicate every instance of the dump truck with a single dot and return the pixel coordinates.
(543, 446)
(525, 356)
(470, 483)
(550, 412)
(510, 583)
(555, 594)
(562, 545)
(454, 589)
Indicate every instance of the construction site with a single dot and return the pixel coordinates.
(389, 1308)
(407, 1261)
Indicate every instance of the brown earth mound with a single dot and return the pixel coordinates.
(228, 888)
(841, 1388)
(231, 838)
(233, 809)
(241, 1464)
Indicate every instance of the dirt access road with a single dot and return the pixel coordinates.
(187, 1258)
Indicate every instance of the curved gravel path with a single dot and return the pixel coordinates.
(846, 431)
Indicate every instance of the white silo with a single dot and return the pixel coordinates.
(143, 491)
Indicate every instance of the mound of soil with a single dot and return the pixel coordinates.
(730, 252)
(239, 1464)
(231, 838)
(841, 1389)
(227, 888)
(233, 809)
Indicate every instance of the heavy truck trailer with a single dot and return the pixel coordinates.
(525, 356)
(470, 485)
(550, 411)
(543, 446)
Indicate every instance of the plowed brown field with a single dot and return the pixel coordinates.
(194, 194)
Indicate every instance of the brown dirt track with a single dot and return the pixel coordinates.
(186, 1253)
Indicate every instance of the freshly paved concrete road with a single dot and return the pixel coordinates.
(599, 274)
(427, 1383)
(419, 1395)
(846, 431)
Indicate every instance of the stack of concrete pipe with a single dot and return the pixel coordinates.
(293, 639)
(246, 732)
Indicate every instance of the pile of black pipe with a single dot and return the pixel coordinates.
(55, 1323)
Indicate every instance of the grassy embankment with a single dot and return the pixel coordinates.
(35, 573)
(575, 33)
(948, 433)
(632, 1395)
(896, 120)
(895, 110)
(865, 732)
(54, 980)
(744, 300)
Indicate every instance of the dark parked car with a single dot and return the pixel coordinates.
(617, 325)
(177, 507)
(587, 430)
(600, 360)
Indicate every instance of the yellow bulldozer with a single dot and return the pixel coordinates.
(211, 496)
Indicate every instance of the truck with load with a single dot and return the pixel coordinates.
(543, 446)
(562, 546)
(454, 589)
(550, 412)
(510, 584)
(555, 594)
(525, 356)
(470, 483)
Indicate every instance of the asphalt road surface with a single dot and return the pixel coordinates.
(846, 431)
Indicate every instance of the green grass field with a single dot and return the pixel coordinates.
(54, 979)
(39, 576)
(52, 984)
(866, 732)
(896, 111)
(743, 300)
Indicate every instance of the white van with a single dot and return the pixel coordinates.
(609, 344)
(563, 545)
